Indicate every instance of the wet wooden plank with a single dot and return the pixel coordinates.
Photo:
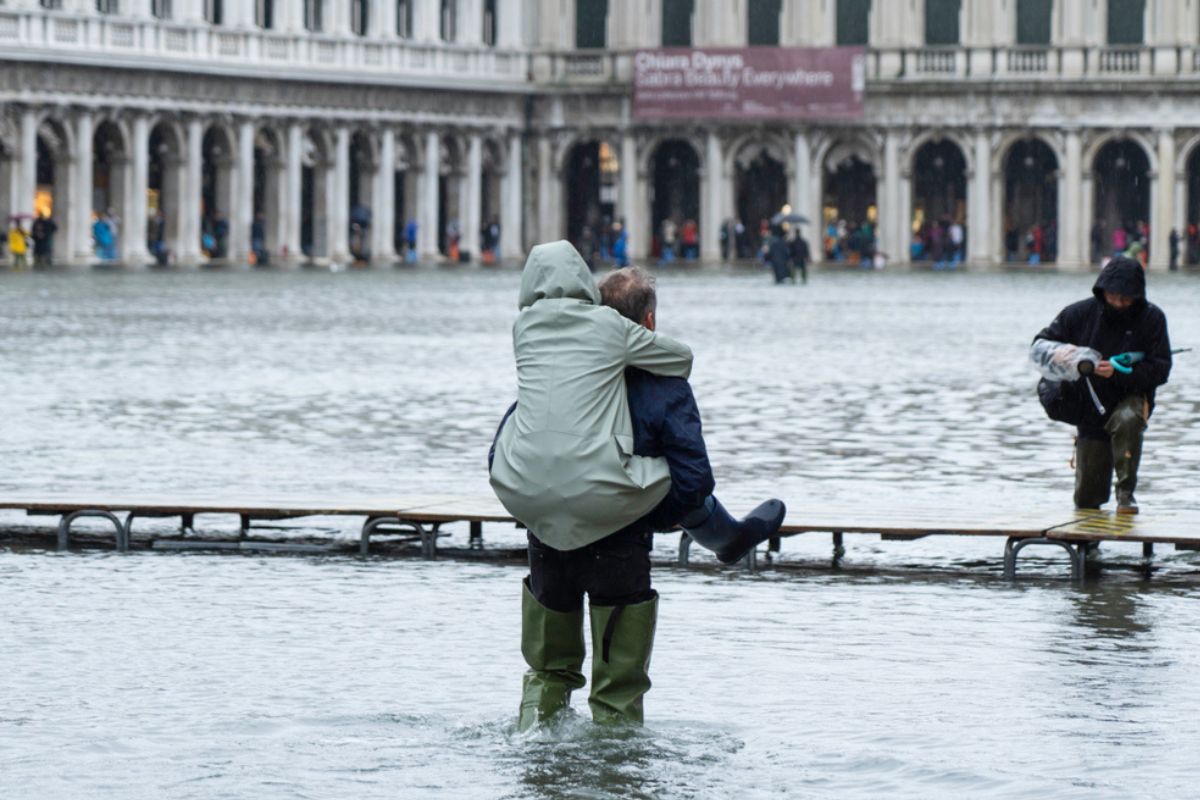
(896, 524)
(1107, 526)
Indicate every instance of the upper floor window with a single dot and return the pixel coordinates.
(360, 17)
(214, 12)
(1126, 21)
(762, 22)
(404, 18)
(264, 14)
(591, 23)
(1034, 19)
(108, 6)
(941, 21)
(677, 23)
(853, 22)
(53, 5)
(314, 15)
(489, 23)
(161, 9)
(449, 20)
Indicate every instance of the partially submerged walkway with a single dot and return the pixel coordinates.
(419, 519)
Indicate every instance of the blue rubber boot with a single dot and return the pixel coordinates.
(714, 528)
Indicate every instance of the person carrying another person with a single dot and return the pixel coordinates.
(565, 463)
(1111, 415)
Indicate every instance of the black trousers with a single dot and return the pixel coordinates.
(615, 571)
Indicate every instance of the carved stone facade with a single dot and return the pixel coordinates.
(285, 138)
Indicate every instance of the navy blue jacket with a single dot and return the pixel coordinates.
(666, 423)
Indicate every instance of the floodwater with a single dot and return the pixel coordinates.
(917, 672)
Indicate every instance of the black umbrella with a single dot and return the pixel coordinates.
(795, 219)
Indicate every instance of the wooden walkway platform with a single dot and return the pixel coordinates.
(419, 519)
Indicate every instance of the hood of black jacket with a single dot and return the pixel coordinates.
(1122, 276)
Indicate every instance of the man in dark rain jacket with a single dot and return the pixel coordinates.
(1116, 319)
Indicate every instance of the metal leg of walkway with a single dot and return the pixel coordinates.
(1014, 546)
(428, 536)
(64, 528)
(839, 550)
(476, 540)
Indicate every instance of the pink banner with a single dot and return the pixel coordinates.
(749, 83)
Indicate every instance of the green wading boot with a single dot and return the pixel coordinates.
(1093, 472)
(622, 638)
(1127, 426)
(552, 643)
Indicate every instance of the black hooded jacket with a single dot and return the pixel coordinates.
(1141, 328)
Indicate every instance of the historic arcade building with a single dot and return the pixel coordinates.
(332, 126)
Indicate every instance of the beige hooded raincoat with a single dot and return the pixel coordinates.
(564, 462)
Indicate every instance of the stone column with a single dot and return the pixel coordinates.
(472, 217)
(1073, 228)
(133, 244)
(803, 193)
(470, 22)
(1071, 16)
(627, 198)
(189, 230)
(511, 245)
(1162, 200)
(426, 25)
(294, 180)
(712, 203)
(979, 197)
(893, 240)
(26, 183)
(547, 232)
(383, 23)
(510, 28)
(383, 204)
(79, 213)
(427, 231)
(241, 191)
(339, 208)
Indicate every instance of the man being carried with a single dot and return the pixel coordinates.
(1115, 321)
(564, 465)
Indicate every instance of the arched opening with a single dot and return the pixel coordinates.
(676, 199)
(52, 182)
(404, 211)
(489, 212)
(1122, 175)
(7, 178)
(362, 189)
(316, 186)
(848, 207)
(582, 187)
(216, 192)
(1191, 233)
(939, 203)
(760, 178)
(110, 164)
(451, 198)
(1031, 203)
(269, 189)
(164, 196)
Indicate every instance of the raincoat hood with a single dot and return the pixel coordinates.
(1122, 276)
(555, 270)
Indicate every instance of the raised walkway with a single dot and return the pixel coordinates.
(418, 520)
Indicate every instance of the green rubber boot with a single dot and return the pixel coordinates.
(552, 643)
(1126, 426)
(621, 660)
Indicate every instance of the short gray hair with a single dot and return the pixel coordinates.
(630, 291)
